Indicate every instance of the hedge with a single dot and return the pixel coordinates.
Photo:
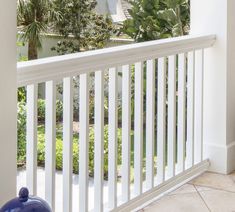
(59, 141)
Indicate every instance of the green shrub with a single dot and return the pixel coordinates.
(21, 125)
(42, 109)
(59, 150)
(92, 149)
(21, 94)
(21, 132)
(59, 141)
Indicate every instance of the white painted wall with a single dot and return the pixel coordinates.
(218, 17)
(116, 10)
(7, 100)
(49, 41)
(102, 7)
(111, 7)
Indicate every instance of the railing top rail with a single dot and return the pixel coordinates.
(58, 67)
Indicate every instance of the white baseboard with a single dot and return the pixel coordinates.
(222, 157)
(168, 186)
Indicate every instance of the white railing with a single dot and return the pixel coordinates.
(170, 115)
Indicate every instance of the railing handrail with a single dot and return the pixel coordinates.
(58, 67)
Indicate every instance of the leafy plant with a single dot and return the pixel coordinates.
(42, 112)
(156, 19)
(59, 150)
(33, 18)
(21, 93)
(176, 16)
(21, 126)
(21, 132)
(80, 26)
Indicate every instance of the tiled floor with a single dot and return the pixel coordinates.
(208, 193)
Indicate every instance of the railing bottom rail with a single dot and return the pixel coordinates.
(168, 186)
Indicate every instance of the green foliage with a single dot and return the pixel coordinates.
(21, 132)
(76, 85)
(21, 93)
(176, 16)
(21, 126)
(20, 44)
(42, 108)
(156, 19)
(80, 21)
(92, 150)
(33, 18)
(59, 150)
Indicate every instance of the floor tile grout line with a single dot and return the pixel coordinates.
(182, 193)
(213, 188)
(202, 198)
(188, 192)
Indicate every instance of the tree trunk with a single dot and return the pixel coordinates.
(32, 51)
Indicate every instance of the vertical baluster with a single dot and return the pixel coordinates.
(50, 139)
(113, 138)
(67, 143)
(84, 144)
(190, 110)
(202, 105)
(161, 120)
(126, 131)
(150, 126)
(31, 138)
(138, 138)
(199, 72)
(171, 116)
(181, 112)
(99, 140)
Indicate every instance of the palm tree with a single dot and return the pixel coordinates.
(33, 20)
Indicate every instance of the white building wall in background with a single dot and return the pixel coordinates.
(49, 41)
(116, 11)
(102, 7)
(112, 7)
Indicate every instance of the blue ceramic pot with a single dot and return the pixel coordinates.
(26, 203)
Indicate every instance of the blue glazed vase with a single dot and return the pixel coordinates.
(26, 203)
